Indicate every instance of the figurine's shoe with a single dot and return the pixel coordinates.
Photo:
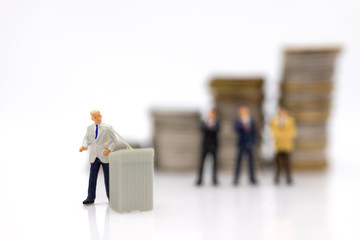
(88, 201)
(215, 183)
(289, 182)
(276, 181)
(254, 182)
(236, 182)
(198, 183)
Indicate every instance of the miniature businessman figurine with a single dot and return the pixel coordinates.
(102, 140)
(245, 128)
(209, 128)
(284, 131)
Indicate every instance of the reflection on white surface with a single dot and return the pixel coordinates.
(93, 225)
(283, 230)
(118, 225)
(134, 225)
(322, 205)
(182, 211)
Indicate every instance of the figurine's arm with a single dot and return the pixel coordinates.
(86, 142)
(202, 127)
(110, 144)
(236, 126)
(217, 126)
(254, 130)
(293, 131)
(274, 129)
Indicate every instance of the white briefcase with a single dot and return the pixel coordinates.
(131, 179)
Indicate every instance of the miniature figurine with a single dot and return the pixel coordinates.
(101, 138)
(209, 128)
(246, 129)
(284, 131)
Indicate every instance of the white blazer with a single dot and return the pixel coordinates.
(106, 139)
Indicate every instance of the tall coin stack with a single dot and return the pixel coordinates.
(306, 92)
(229, 93)
(176, 139)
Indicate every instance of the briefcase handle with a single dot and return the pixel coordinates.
(124, 141)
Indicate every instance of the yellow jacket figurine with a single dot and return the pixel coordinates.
(284, 131)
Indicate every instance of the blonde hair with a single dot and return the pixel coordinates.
(95, 110)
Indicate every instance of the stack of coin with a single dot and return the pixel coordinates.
(229, 94)
(306, 90)
(176, 139)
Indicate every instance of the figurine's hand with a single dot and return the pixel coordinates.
(82, 148)
(106, 152)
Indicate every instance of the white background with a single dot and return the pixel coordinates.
(60, 59)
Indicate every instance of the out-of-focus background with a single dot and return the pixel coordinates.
(60, 59)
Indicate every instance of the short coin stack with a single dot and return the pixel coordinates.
(177, 139)
(306, 92)
(229, 93)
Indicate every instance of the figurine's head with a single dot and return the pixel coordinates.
(282, 112)
(96, 116)
(243, 112)
(212, 114)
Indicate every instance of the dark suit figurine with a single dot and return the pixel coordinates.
(245, 127)
(209, 129)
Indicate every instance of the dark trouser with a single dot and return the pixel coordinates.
(94, 170)
(282, 159)
(214, 166)
(249, 152)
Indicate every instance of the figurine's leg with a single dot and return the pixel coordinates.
(282, 162)
(94, 170)
(214, 170)
(277, 167)
(106, 178)
(238, 166)
(251, 166)
(201, 167)
(288, 168)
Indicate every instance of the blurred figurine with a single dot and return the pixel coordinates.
(284, 131)
(102, 139)
(246, 129)
(209, 128)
